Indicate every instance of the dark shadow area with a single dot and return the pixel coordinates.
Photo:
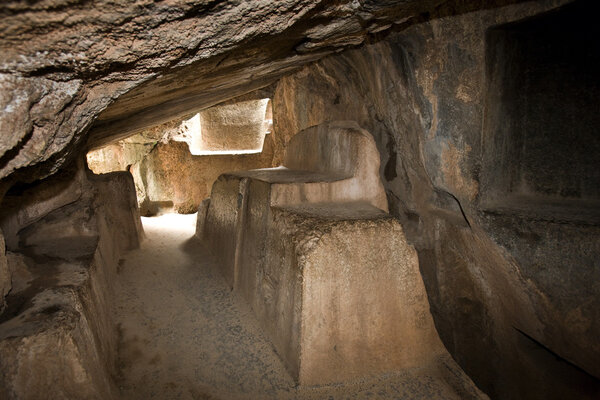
(540, 181)
(541, 135)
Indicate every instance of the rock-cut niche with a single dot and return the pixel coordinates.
(540, 177)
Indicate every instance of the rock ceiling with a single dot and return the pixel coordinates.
(81, 73)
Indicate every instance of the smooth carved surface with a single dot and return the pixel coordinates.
(338, 148)
(355, 179)
(328, 273)
(359, 306)
(238, 127)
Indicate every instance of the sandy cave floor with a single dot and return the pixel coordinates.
(185, 335)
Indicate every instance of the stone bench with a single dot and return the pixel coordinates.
(340, 294)
(333, 162)
(327, 271)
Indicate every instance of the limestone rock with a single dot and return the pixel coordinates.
(231, 128)
(333, 162)
(201, 217)
(50, 352)
(509, 261)
(359, 306)
(171, 178)
(20, 274)
(488, 268)
(64, 64)
(328, 273)
(24, 206)
(167, 175)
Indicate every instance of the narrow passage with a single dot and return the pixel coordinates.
(185, 335)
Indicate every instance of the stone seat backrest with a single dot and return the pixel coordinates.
(335, 162)
(339, 148)
(342, 150)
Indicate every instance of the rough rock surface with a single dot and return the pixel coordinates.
(506, 296)
(167, 176)
(120, 155)
(64, 63)
(57, 336)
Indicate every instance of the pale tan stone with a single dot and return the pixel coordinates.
(349, 300)
(201, 217)
(231, 128)
(341, 164)
(57, 336)
(339, 149)
(328, 273)
(168, 176)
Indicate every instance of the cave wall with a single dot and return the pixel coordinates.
(64, 237)
(167, 176)
(77, 72)
(541, 119)
(5, 278)
(170, 177)
(424, 94)
(512, 281)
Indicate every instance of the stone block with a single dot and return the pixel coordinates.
(341, 163)
(234, 128)
(340, 294)
(327, 271)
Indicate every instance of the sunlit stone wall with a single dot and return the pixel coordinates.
(237, 128)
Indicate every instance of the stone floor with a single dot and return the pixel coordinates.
(185, 335)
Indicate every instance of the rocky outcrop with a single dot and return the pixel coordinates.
(503, 300)
(57, 337)
(65, 63)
